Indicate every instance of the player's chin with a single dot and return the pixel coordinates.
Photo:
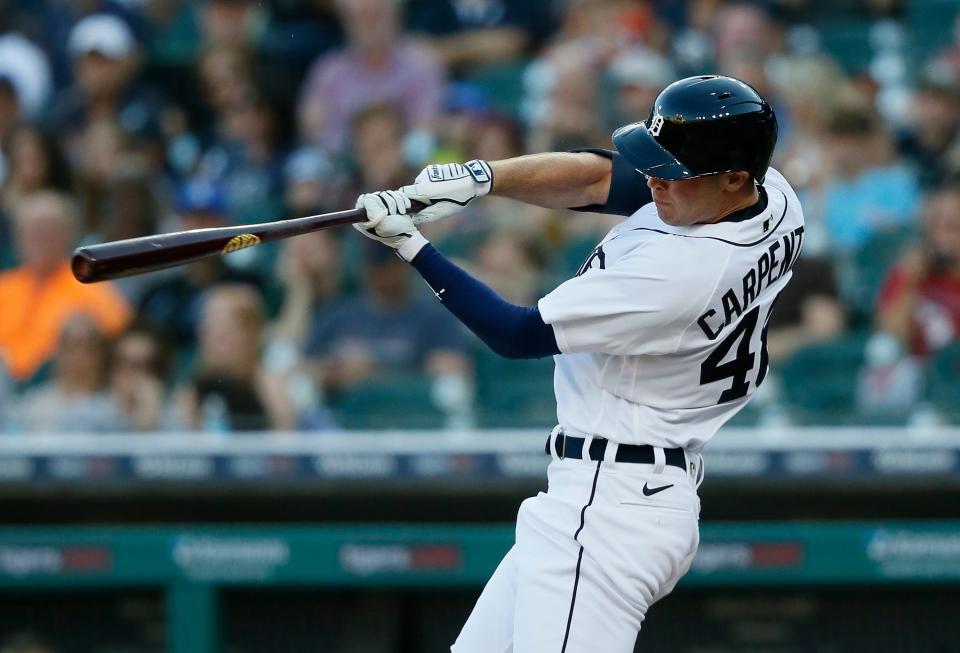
(668, 217)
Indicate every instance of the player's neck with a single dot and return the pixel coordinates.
(737, 202)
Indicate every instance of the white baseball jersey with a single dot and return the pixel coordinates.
(662, 331)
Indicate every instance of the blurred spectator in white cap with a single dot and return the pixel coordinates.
(103, 33)
(26, 68)
(378, 65)
(639, 75)
(25, 86)
(106, 61)
(310, 185)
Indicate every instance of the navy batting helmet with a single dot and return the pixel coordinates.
(702, 126)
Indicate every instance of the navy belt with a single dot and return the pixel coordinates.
(569, 446)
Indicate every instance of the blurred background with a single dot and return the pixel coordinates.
(295, 448)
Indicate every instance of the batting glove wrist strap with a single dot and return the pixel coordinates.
(409, 249)
(448, 187)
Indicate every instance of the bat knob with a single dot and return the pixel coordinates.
(83, 266)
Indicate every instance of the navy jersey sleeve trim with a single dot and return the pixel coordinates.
(509, 330)
(628, 186)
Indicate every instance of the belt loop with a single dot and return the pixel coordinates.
(701, 470)
(610, 453)
(659, 460)
(587, 441)
(554, 445)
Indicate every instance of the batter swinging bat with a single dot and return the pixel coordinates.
(123, 258)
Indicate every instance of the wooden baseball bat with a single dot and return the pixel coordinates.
(123, 258)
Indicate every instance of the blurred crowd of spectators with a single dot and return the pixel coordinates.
(125, 118)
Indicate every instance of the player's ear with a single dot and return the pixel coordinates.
(735, 181)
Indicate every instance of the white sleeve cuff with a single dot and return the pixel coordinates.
(412, 246)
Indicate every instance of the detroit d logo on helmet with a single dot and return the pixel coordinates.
(656, 125)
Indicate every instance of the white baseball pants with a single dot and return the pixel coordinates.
(592, 554)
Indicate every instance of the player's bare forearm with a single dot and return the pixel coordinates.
(555, 180)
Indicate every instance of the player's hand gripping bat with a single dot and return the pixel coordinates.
(122, 258)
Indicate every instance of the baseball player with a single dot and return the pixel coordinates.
(658, 340)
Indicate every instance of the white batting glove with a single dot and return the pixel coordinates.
(448, 187)
(388, 222)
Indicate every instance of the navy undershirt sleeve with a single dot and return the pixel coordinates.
(628, 187)
(509, 330)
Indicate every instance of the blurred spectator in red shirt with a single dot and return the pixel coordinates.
(41, 294)
(920, 300)
(378, 65)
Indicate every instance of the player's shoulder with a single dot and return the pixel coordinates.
(776, 182)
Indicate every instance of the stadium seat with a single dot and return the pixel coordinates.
(929, 26)
(401, 402)
(848, 41)
(504, 83)
(944, 382)
(514, 393)
(870, 266)
(819, 381)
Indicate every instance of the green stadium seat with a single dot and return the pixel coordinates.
(819, 382)
(848, 41)
(504, 83)
(872, 263)
(401, 402)
(929, 26)
(943, 389)
(514, 393)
